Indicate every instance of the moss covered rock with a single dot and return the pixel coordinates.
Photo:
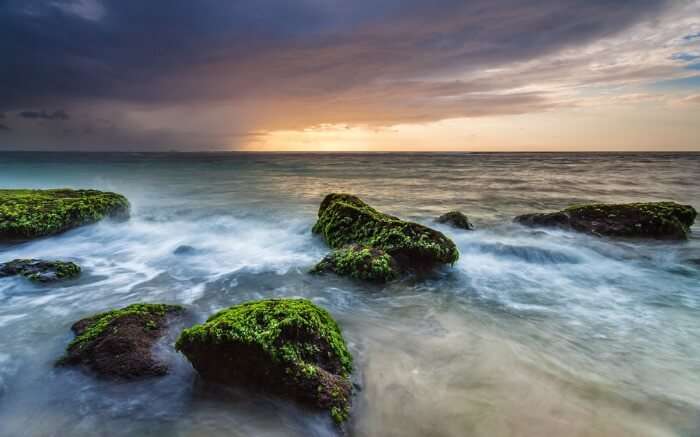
(657, 220)
(28, 214)
(40, 270)
(289, 347)
(359, 262)
(456, 219)
(345, 220)
(119, 343)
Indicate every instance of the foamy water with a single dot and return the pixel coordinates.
(530, 333)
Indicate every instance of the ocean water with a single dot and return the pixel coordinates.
(531, 333)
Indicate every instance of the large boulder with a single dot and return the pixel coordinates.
(456, 219)
(39, 270)
(344, 220)
(28, 214)
(118, 344)
(657, 220)
(289, 347)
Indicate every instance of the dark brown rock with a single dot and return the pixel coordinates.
(119, 343)
(456, 219)
(654, 220)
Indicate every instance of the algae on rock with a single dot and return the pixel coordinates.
(28, 214)
(289, 347)
(118, 343)
(380, 239)
(359, 262)
(657, 220)
(39, 270)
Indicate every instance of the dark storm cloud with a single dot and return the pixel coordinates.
(387, 60)
(3, 127)
(142, 51)
(58, 114)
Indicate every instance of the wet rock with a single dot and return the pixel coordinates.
(456, 219)
(289, 347)
(345, 220)
(39, 270)
(118, 344)
(359, 262)
(185, 250)
(654, 220)
(29, 214)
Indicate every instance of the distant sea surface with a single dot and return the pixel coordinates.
(531, 333)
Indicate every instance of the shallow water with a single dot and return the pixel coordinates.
(530, 333)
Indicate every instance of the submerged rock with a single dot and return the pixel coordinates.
(39, 270)
(288, 347)
(184, 250)
(456, 219)
(345, 220)
(28, 214)
(658, 220)
(118, 343)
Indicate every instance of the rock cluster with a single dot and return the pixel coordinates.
(288, 347)
(373, 245)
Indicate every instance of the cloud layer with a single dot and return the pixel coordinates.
(209, 74)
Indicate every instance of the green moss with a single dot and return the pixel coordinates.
(40, 270)
(65, 270)
(97, 324)
(359, 262)
(26, 214)
(264, 323)
(344, 219)
(289, 346)
(655, 216)
(340, 414)
(655, 220)
(684, 213)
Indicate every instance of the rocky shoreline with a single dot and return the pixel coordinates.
(291, 348)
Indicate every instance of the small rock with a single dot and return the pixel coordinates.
(456, 219)
(39, 270)
(118, 344)
(185, 250)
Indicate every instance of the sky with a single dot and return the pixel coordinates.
(322, 75)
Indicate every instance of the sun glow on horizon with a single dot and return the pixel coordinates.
(584, 128)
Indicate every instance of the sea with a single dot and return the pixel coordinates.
(532, 332)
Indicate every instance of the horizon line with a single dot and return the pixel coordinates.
(348, 151)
